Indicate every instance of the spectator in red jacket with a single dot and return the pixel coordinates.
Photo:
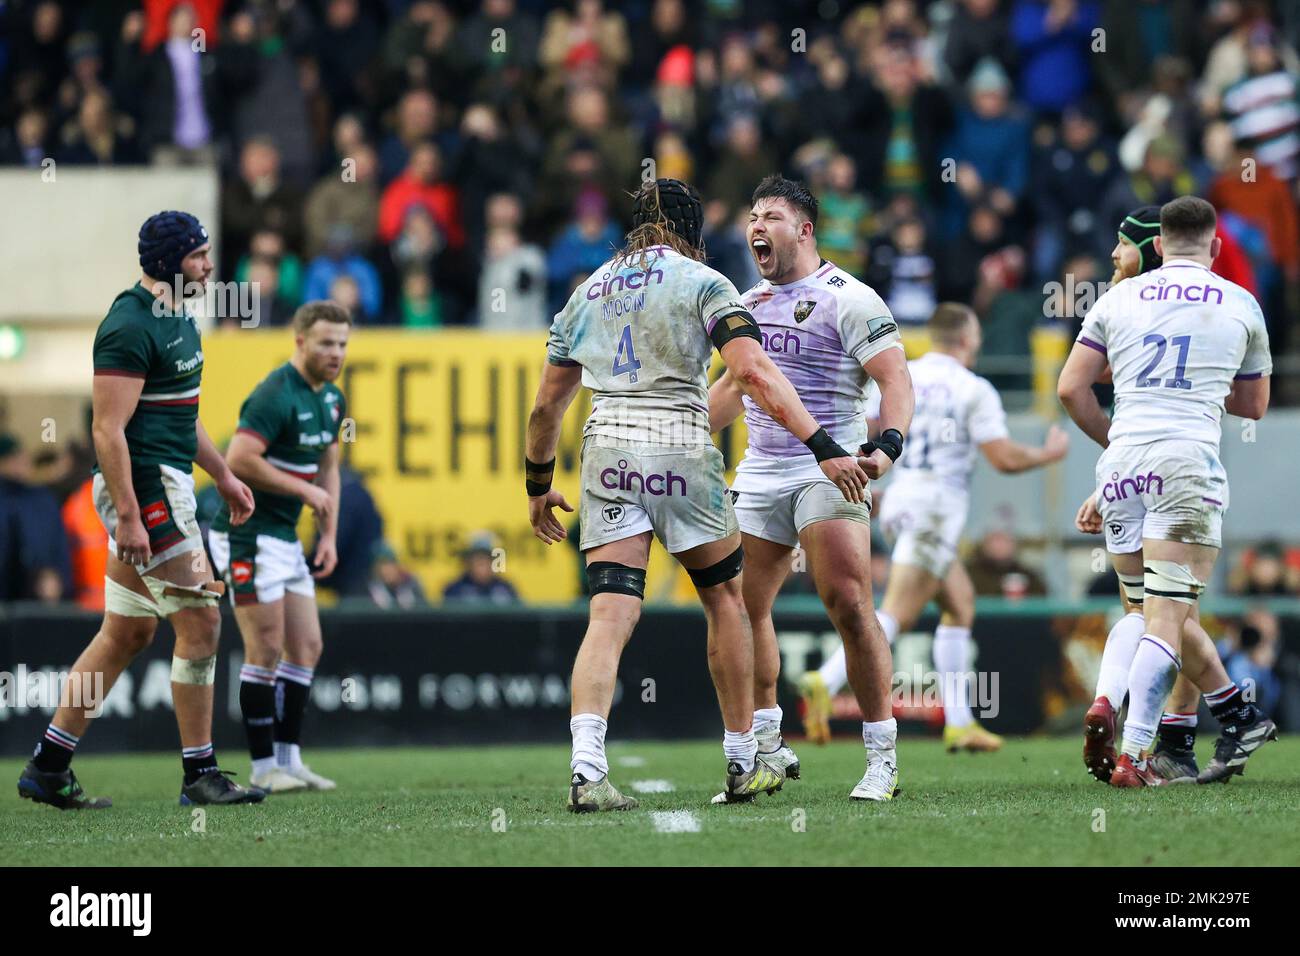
(421, 184)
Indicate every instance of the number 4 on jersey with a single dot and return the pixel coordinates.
(625, 358)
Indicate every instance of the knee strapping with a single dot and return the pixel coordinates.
(610, 577)
(718, 573)
(1134, 587)
(119, 599)
(1169, 579)
(202, 671)
(171, 598)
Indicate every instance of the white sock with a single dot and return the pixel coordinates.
(767, 722)
(589, 746)
(952, 661)
(1155, 668)
(835, 671)
(880, 734)
(262, 765)
(288, 755)
(740, 747)
(1117, 658)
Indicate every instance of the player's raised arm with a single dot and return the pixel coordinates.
(1011, 457)
(888, 369)
(113, 400)
(725, 402)
(1074, 389)
(758, 377)
(559, 385)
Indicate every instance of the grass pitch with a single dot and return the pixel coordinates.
(1031, 804)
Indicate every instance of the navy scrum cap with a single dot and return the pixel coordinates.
(165, 239)
(674, 202)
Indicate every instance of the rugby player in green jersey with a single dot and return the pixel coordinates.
(148, 361)
(286, 448)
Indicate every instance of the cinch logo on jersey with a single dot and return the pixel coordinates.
(134, 910)
(780, 342)
(622, 479)
(610, 284)
(1163, 289)
(1117, 490)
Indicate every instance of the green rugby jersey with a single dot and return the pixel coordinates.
(298, 424)
(166, 351)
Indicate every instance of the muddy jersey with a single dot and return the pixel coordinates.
(1176, 338)
(640, 330)
(819, 331)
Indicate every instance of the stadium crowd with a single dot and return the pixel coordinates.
(444, 162)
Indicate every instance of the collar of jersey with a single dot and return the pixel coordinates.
(1184, 262)
(144, 295)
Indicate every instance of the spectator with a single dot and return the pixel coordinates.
(259, 200)
(422, 185)
(1053, 40)
(391, 585)
(480, 581)
(990, 146)
(346, 44)
(88, 547)
(1250, 659)
(903, 272)
(843, 217)
(1262, 106)
(268, 245)
(584, 41)
(97, 137)
(979, 29)
(996, 570)
(1071, 176)
(1266, 570)
(274, 310)
(360, 531)
(740, 165)
(512, 285)
(348, 194)
(341, 260)
(588, 241)
(419, 306)
(417, 123)
(34, 562)
(26, 144)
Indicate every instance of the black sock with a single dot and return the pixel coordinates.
(1174, 737)
(290, 704)
(51, 758)
(1234, 710)
(197, 761)
(257, 703)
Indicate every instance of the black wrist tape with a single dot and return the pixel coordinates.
(823, 446)
(537, 477)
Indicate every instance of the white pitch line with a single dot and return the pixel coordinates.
(631, 761)
(675, 821)
(653, 786)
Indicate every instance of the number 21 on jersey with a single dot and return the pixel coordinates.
(625, 357)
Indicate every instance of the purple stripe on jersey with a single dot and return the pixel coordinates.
(1248, 377)
(1213, 501)
(830, 266)
(1084, 340)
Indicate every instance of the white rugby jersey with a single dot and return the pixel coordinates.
(1176, 337)
(956, 412)
(819, 331)
(640, 330)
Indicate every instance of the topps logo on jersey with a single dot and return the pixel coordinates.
(154, 514)
(803, 309)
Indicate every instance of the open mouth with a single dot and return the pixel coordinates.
(762, 251)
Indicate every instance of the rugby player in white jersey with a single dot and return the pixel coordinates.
(640, 332)
(1184, 345)
(924, 512)
(1174, 757)
(829, 334)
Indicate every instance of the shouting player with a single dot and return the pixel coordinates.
(1174, 757)
(148, 362)
(830, 335)
(924, 513)
(1184, 345)
(639, 333)
(286, 448)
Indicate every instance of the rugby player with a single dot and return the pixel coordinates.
(924, 513)
(639, 333)
(1174, 758)
(148, 361)
(831, 335)
(1184, 346)
(286, 448)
